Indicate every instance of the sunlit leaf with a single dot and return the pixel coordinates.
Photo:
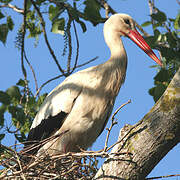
(54, 12)
(58, 26)
(177, 22)
(41, 99)
(14, 92)
(147, 23)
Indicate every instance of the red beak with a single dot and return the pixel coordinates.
(135, 36)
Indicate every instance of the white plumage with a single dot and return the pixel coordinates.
(83, 102)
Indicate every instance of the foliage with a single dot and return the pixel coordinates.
(166, 40)
(22, 106)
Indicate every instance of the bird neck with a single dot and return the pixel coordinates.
(114, 70)
(118, 57)
(117, 49)
(115, 44)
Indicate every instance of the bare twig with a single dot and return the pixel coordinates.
(20, 166)
(125, 136)
(57, 77)
(152, 10)
(15, 8)
(32, 69)
(113, 122)
(48, 81)
(46, 38)
(87, 62)
(167, 176)
(107, 7)
(141, 29)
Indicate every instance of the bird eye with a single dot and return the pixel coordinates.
(127, 21)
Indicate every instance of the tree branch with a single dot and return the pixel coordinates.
(107, 7)
(149, 140)
(113, 122)
(46, 38)
(15, 8)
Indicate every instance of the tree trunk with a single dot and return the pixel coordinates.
(147, 142)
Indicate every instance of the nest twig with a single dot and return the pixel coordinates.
(62, 166)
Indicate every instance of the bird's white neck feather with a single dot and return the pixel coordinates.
(115, 67)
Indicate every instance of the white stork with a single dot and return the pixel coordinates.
(83, 102)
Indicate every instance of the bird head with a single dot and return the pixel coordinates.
(124, 25)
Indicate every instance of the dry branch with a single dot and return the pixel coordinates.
(148, 141)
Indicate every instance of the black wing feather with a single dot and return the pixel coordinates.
(45, 129)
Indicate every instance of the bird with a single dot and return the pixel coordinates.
(79, 107)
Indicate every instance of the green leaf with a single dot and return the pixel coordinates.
(21, 82)
(41, 99)
(74, 13)
(82, 24)
(147, 23)
(14, 92)
(2, 111)
(1, 15)
(54, 12)
(10, 23)
(171, 19)
(29, 4)
(155, 25)
(157, 91)
(177, 22)
(171, 40)
(34, 30)
(91, 11)
(58, 26)
(5, 1)
(151, 41)
(5, 98)
(3, 32)
(18, 116)
(2, 136)
(168, 53)
(159, 16)
(162, 76)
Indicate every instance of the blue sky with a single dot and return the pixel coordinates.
(138, 80)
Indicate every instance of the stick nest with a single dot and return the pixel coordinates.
(82, 165)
